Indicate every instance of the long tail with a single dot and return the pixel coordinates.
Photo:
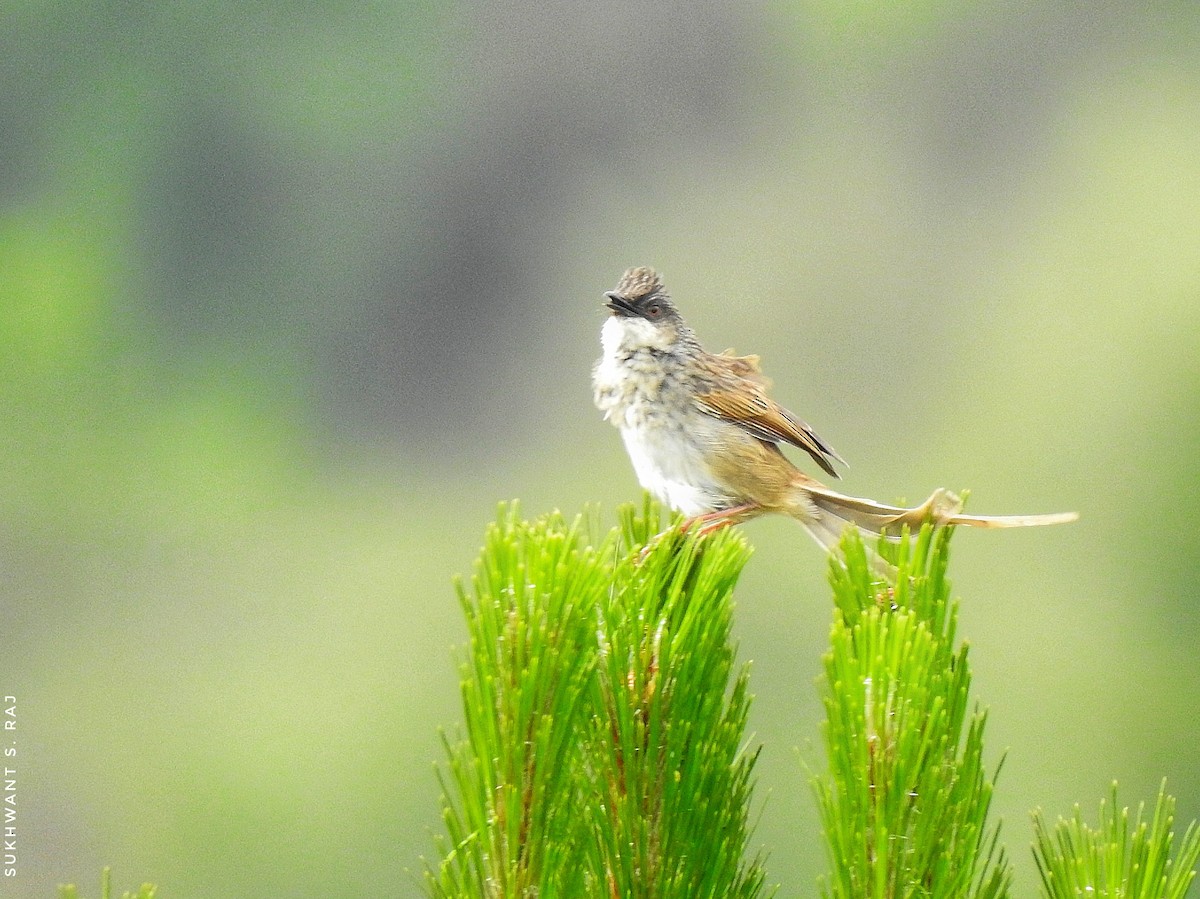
(832, 511)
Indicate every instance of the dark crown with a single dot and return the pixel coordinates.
(639, 282)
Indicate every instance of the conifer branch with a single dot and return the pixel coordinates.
(604, 749)
(1111, 861)
(604, 752)
(905, 801)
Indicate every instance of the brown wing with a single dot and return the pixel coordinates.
(735, 391)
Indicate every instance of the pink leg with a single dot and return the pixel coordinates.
(709, 522)
(713, 521)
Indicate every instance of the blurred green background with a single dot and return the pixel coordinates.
(292, 294)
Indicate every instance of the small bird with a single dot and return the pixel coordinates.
(704, 436)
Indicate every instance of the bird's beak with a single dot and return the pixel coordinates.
(618, 304)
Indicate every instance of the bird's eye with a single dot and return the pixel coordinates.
(654, 310)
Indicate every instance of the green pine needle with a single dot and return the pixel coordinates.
(1111, 861)
(146, 891)
(526, 684)
(604, 749)
(672, 772)
(905, 802)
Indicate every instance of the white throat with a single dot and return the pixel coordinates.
(623, 334)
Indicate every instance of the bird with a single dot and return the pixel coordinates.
(705, 436)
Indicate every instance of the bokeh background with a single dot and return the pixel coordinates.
(291, 295)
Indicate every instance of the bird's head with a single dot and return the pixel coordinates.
(642, 313)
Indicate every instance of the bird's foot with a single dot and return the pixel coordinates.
(707, 523)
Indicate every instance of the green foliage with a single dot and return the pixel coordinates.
(146, 891)
(674, 777)
(603, 752)
(1109, 861)
(905, 802)
(525, 682)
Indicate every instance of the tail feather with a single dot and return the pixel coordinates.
(1013, 521)
(942, 508)
(826, 525)
(831, 512)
